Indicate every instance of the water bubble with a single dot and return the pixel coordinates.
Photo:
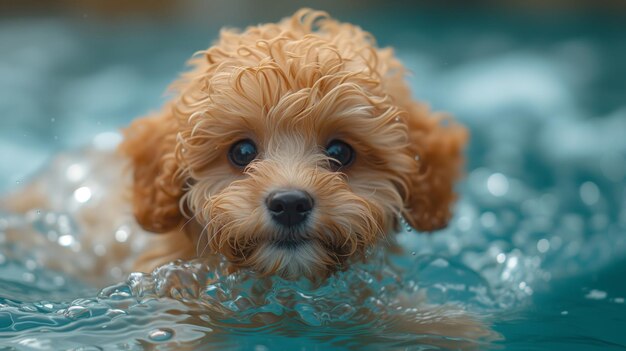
(543, 245)
(595, 294)
(413, 253)
(512, 262)
(75, 172)
(564, 313)
(52, 119)
(82, 194)
(121, 235)
(76, 312)
(589, 193)
(618, 300)
(45, 307)
(500, 258)
(66, 240)
(498, 184)
(161, 334)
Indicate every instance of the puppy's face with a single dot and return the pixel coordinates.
(294, 149)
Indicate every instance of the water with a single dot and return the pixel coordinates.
(536, 248)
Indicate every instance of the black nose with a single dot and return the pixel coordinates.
(289, 207)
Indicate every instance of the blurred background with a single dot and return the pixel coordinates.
(71, 69)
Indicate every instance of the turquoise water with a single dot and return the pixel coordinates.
(537, 247)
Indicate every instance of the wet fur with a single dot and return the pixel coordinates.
(291, 87)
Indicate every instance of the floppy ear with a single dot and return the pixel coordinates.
(150, 143)
(437, 144)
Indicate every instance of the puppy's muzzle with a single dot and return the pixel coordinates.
(290, 207)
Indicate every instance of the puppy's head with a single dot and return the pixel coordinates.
(293, 147)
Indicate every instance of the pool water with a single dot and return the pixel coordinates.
(537, 246)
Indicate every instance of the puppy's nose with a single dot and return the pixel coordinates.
(289, 207)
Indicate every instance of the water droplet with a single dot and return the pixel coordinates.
(589, 193)
(500, 258)
(121, 235)
(161, 334)
(75, 172)
(66, 240)
(498, 184)
(595, 294)
(543, 245)
(512, 262)
(82, 194)
(76, 312)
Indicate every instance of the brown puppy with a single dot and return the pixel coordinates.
(290, 148)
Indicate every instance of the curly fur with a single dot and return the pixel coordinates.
(292, 87)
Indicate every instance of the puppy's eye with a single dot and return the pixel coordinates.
(242, 152)
(342, 153)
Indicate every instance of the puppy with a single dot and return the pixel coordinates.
(289, 148)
